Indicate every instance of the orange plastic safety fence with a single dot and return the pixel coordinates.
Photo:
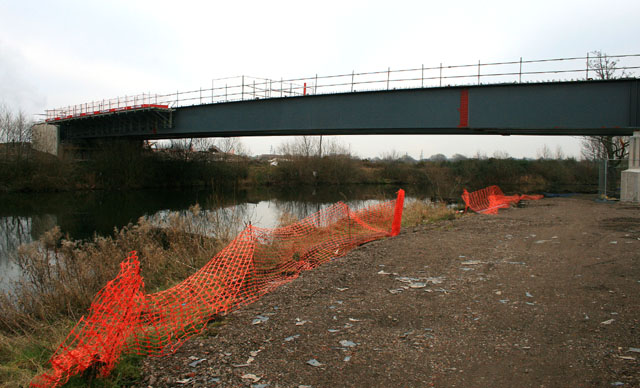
(122, 319)
(490, 199)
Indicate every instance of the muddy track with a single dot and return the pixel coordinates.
(546, 295)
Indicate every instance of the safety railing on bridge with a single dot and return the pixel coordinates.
(242, 88)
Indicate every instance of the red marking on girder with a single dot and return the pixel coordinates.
(464, 108)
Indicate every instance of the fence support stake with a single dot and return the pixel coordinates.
(388, 76)
(587, 67)
(353, 73)
(397, 215)
(520, 73)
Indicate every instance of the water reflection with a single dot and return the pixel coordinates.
(14, 231)
(80, 215)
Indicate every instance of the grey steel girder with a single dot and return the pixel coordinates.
(609, 107)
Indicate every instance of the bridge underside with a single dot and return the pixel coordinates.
(562, 108)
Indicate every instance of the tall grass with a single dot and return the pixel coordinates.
(62, 276)
(419, 212)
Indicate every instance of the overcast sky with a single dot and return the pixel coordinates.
(57, 53)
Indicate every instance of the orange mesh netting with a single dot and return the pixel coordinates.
(122, 319)
(490, 199)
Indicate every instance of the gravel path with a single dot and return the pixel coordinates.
(544, 295)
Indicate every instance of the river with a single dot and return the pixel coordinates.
(24, 217)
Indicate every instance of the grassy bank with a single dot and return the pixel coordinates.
(445, 179)
(117, 166)
(126, 166)
(62, 277)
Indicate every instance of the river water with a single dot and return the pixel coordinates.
(24, 217)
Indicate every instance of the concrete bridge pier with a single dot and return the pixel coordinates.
(46, 138)
(630, 185)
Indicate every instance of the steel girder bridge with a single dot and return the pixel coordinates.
(414, 101)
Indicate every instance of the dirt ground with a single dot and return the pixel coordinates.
(546, 295)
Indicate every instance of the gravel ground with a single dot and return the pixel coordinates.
(544, 295)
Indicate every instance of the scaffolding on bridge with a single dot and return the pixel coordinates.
(242, 88)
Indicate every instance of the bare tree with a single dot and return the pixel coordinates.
(231, 146)
(611, 148)
(15, 132)
(333, 147)
(390, 156)
(501, 154)
(544, 153)
(300, 146)
(605, 67)
(605, 147)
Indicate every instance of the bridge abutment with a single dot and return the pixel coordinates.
(630, 184)
(46, 138)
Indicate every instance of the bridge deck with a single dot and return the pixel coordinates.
(609, 107)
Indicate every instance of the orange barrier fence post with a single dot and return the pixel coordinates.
(397, 215)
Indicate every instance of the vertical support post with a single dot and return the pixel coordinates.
(478, 72)
(606, 172)
(397, 214)
(304, 90)
(226, 95)
(177, 97)
(200, 94)
(520, 72)
(254, 90)
(315, 85)
(440, 73)
(353, 73)
(281, 87)
(422, 77)
(242, 95)
(388, 76)
(587, 66)
(630, 178)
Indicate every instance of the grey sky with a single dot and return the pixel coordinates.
(56, 53)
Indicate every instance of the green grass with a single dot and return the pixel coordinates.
(127, 372)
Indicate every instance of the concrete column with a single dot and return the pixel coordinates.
(630, 185)
(46, 138)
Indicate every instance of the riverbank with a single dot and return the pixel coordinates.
(127, 167)
(543, 295)
(50, 300)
